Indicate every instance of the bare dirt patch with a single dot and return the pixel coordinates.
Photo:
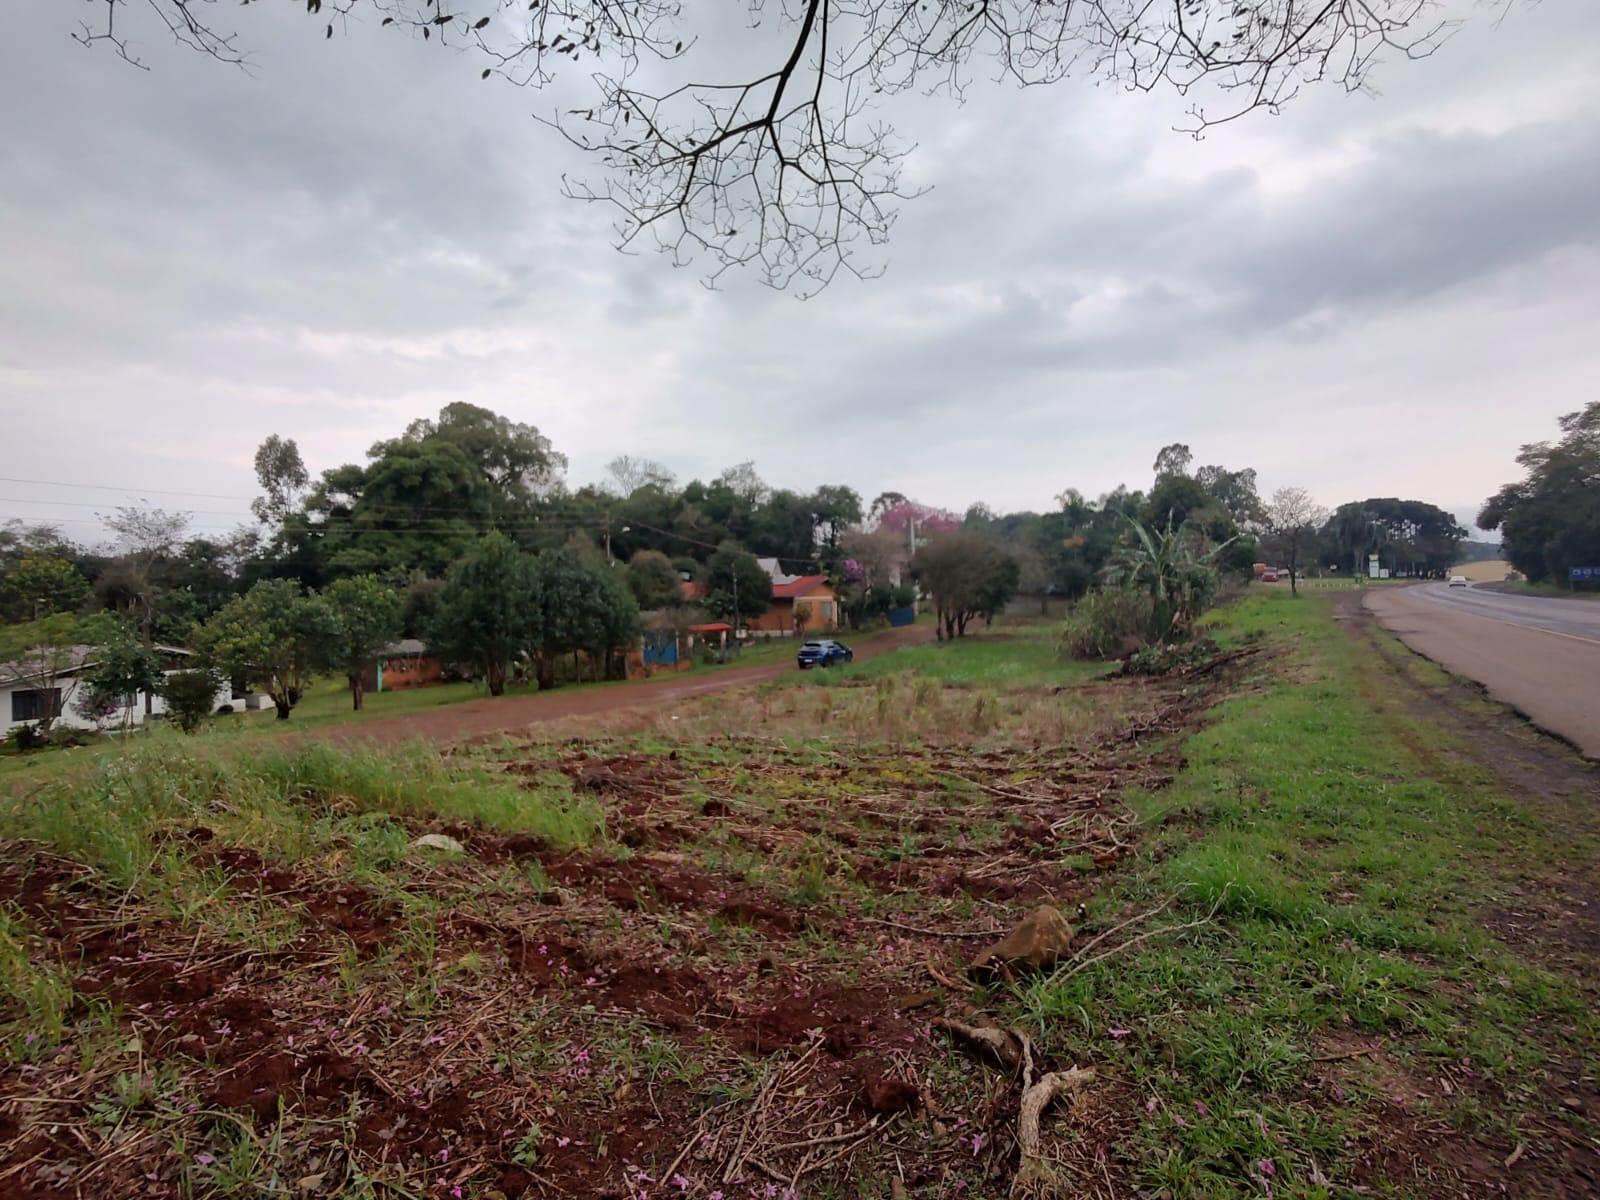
(735, 991)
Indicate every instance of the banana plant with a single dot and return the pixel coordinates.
(1169, 564)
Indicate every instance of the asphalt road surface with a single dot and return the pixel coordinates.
(1541, 655)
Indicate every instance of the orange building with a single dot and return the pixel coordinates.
(405, 664)
(806, 604)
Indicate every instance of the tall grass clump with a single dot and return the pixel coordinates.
(1107, 622)
(119, 815)
(416, 781)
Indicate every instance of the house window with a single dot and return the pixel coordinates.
(35, 704)
(827, 610)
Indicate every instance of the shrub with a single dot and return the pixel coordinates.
(1107, 623)
(1165, 658)
(190, 696)
(28, 737)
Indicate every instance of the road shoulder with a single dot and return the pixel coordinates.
(1551, 679)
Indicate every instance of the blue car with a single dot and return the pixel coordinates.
(823, 654)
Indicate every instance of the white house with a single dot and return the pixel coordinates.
(27, 693)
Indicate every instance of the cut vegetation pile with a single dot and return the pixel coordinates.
(725, 950)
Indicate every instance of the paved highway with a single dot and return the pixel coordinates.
(1540, 655)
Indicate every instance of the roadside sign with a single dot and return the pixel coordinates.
(1584, 574)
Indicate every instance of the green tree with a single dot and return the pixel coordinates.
(834, 508)
(967, 575)
(785, 525)
(40, 586)
(610, 620)
(515, 458)
(489, 609)
(583, 606)
(1177, 499)
(1172, 459)
(653, 579)
(1550, 520)
(369, 614)
(282, 476)
(275, 636)
(1235, 491)
(423, 499)
(123, 667)
(191, 696)
(736, 586)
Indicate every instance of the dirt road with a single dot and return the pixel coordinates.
(478, 718)
(1541, 656)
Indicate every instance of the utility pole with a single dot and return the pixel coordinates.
(911, 531)
(609, 560)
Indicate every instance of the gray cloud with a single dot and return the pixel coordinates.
(1362, 295)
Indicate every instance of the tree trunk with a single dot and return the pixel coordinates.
(281, 702)
(545, 672)
(495, 676)
(357, 692)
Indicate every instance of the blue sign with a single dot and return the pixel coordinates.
(1583, 574)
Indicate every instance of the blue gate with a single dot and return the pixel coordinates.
(660, 648)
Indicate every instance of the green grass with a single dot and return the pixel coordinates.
(1008, 655)
(327, 702)
(1345, 874)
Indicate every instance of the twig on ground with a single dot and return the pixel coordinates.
(998, 1042)
(1078, 964)
(1034, 1176)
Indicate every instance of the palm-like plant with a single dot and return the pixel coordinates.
(1172, 568)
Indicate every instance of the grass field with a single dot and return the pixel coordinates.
(722, 950)
(1344, 974)
(327, 702)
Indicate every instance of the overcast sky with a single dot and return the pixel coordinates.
(1367, 295)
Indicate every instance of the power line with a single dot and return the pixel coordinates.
(108, 487)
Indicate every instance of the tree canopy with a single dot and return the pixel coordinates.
(38, 586)
(967, 576)
(273, 635)
(737, 589)
(1549, 520)
(488, 610)
(368, 614)
(653, 580)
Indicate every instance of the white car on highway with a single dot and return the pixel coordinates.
(1458, 581)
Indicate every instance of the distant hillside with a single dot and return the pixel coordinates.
(1471, 552)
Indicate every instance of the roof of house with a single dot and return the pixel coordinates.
(22, 672)
(711, 627)
(406, 646)
(691, 590)
(800, 586)
(25, 671)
